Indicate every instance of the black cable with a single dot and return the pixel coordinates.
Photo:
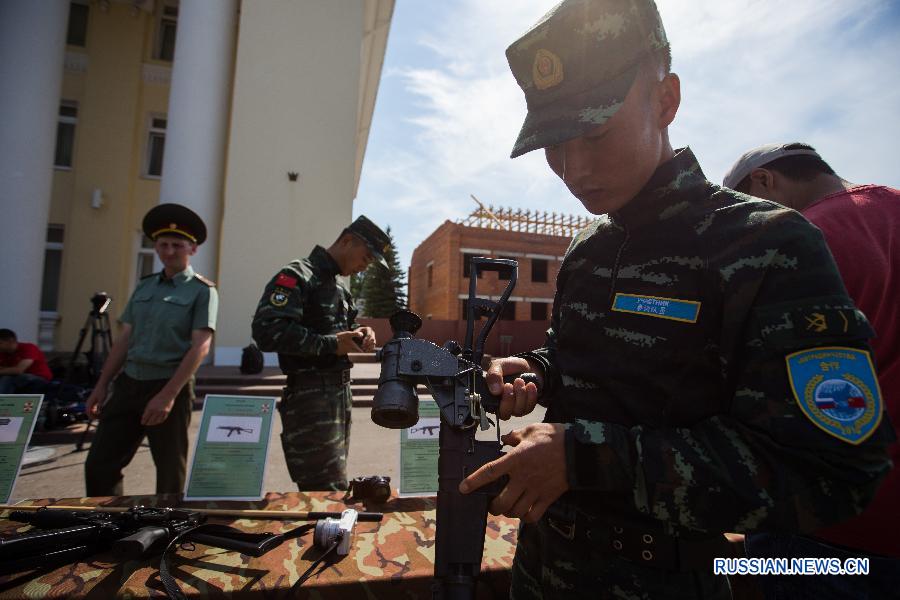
(173, 590)
(308, 573)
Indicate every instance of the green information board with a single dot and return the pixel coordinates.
(419, 449)
(18, 414)
(229, 460)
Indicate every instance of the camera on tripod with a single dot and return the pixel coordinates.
(100, 303)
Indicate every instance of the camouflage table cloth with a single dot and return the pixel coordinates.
(391, 559)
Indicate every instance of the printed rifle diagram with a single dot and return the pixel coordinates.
(237, 430)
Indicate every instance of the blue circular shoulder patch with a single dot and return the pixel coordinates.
(837, 389)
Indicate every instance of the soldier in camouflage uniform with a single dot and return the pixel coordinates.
(705, 371)
(307, 316)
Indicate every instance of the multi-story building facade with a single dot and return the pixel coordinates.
(439, 271)
(254, 113)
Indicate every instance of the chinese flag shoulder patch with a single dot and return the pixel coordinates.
(286, 281)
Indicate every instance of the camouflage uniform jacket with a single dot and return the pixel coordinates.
(693, 426)
(301, 310)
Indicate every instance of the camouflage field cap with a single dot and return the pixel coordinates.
(577, 64)
(377, 240)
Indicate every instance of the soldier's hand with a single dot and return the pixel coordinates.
(94, 402)
(518, 398)
(536, 466)
(347, 343)
(368, 338)
(157, 409)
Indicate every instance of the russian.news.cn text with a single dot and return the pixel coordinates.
(790, 566)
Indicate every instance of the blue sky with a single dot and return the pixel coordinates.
(825, 72)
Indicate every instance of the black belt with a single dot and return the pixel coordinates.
(647, 547)
(318, 378)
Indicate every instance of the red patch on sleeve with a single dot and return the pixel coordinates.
(286, 281)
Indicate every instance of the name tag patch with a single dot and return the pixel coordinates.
(655, 306)
(837, 389)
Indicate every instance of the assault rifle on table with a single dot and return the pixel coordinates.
(455, 379)
(66, 534)
(235, 429)
(426, 429)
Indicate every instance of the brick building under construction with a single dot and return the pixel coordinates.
(439, 271)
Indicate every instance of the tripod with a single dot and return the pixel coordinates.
(97, 327)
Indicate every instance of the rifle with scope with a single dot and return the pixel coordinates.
(455, 379)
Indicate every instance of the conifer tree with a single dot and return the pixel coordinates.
(384, 291)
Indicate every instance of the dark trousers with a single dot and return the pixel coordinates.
(22, 384)
(119, 435)
(316, 435)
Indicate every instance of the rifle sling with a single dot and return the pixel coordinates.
(223, 536)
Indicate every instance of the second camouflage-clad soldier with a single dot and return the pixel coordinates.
(307, 316)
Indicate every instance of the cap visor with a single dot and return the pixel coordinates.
(572, 117)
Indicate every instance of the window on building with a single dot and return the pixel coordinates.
(165, 35)
(539, 270)
(509, 312)
(504, 275)
(430, 271)
(465, 310)
(65, 134)
(539, 311)
(145, 257)
(77, 29)
(52, 268)
(467, 264)
(156, 142)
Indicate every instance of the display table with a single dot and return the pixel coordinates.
(391, 559)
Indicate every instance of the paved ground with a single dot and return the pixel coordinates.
(373, 451)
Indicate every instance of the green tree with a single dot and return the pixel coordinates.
(384, 291)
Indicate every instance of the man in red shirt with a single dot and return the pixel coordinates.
(861, 224)
(22, 365)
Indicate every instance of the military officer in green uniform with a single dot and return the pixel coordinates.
(307, 316)
(167, 330)
(705, 371)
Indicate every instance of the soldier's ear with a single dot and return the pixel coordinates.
(762, 180)
(669, 95)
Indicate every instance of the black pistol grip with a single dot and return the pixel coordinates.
(144, 542)
(492, 402)
(527, 377)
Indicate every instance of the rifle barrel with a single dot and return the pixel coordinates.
(276, 515)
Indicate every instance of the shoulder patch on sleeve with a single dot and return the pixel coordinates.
(286, 281)
(279, 297)
(204, 280)
(837, 389)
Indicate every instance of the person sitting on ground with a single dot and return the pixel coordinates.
(23, 367)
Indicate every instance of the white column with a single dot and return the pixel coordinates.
(197, 128)
(32, 46)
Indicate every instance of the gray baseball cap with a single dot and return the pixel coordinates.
(577, 64)
(760, 157)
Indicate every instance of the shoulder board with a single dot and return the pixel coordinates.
(150, 275)
(204, 280)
